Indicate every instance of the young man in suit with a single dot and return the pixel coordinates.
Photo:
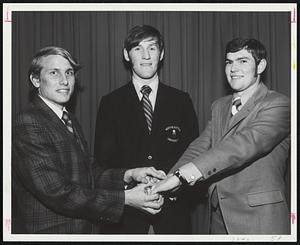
(146, 123)
(243, 150)
(56, 188)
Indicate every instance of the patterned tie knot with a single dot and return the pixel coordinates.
(146, 90)
(235, 105)
(237, 102)
(66, 118)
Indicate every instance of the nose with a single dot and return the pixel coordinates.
(63, 79)
(234, 67)
(146, 54)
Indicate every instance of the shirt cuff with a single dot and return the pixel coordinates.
(191, 173)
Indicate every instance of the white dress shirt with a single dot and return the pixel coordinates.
(153, 84)
(55, 108)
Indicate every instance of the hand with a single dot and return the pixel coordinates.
(144, 175)
(137, 197)
(171, 184)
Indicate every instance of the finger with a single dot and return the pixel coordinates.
(153, 205)
(151, 211)
(162, 173)
(151, 197)
(143, 180)
(158, 187)
(156, 173)
(153, 180)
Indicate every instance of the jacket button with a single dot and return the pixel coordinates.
(214, 169)
(149, 157)
(209, 172)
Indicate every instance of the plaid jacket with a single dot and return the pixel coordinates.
(56, 187)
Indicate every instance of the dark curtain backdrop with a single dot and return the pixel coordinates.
(194, 53)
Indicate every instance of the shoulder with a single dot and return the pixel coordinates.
(28, 115)
(276, 97)
(173, 92)
(119, 92)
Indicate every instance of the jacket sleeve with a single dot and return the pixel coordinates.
(270, 126)
(198, 146)
(39, 165)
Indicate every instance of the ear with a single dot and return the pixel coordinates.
(261, 66)
(162, 55)
(35, 81)
(126, 55)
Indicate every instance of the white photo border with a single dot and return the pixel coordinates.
(7, 80)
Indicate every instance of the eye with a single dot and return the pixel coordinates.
(153, 48)
(70, 73)
(243, 61)
(53, 73)
(228, 62)
(137, 48)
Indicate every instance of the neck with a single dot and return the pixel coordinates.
(143, 80)
(250, 89)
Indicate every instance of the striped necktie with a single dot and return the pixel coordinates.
(147, 107)
(67, 121)
(236, 105)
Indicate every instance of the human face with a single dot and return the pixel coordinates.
(144, 58)
(241, 70)
(56, 81)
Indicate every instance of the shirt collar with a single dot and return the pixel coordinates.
(138, 84)
(56, 109)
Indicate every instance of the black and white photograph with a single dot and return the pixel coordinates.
(149, 122)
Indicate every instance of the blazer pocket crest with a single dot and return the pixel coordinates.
(173, 133)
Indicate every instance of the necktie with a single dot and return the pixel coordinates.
(147, 107)
(67, 121)
(235, 105)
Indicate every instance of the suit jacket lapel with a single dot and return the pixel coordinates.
(222, 116)
(57, 124)
(248, 107)
(159, 106)
(48, 113)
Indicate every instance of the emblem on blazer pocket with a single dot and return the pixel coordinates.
(173, 133)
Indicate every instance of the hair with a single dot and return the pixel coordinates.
(253, 46)
(141, 32)
(36, 67)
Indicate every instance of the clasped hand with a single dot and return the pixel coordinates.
(139, 197)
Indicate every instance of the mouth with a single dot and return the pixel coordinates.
(146, 64)
(63, 90)
(236, 76)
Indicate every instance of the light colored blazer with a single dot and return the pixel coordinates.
(56, 187)
(244, 157)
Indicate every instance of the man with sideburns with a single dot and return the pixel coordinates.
(243, 151)
(146, 123)
(56, 186)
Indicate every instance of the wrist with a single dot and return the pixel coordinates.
(180, 177)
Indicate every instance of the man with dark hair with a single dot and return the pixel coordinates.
(242, 152)
(56, 188)
(146, 123)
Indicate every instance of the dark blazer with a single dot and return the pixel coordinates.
(245, 159)
(122, 140)
(55, 186)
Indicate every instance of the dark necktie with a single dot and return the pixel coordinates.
(236, 105)
(147, 107)
(67, 121)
